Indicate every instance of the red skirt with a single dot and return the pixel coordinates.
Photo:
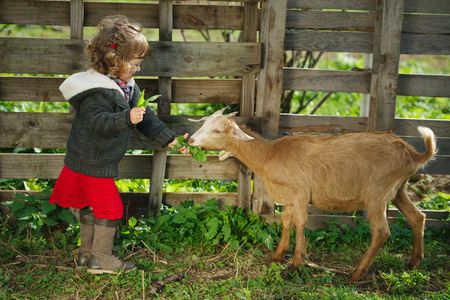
(76, 190)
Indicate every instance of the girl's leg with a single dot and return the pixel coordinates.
(86, 235)
(102, 260)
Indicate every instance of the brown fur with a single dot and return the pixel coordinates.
(340, 173)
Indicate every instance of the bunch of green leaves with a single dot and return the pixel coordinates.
(196, 152)
(34, 213)
(190, 224)
(143, 103)
(439, 201)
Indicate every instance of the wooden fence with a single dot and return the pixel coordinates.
(189, 72)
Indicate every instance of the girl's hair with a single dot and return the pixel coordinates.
(118, 37)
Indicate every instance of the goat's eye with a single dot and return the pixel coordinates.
(216, 131)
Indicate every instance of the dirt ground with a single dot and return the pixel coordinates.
(421, 185)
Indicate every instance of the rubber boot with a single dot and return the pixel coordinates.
(102, 260)
(86, 235)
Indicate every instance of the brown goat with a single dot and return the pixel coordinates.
(341, 173)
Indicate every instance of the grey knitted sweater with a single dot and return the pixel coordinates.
(101, 128)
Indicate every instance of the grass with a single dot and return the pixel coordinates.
(235, 268)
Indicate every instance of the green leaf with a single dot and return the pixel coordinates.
(51, 222)
(179, 219)
(66, 215)
(47, 207)
(143, 103)
(226, 232)
(213, 226)
(196, 152)
(17, 205)
(160, 222)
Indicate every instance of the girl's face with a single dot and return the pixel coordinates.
(135, 64)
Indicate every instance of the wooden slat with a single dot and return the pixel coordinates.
(48, 166)
(42, 56)
(329, 41)
(331, 124)
(269, 86)
(46, 89)
(333, 4)
(426, 24)
(326, 20)
(202, 59)
(315, 222)
(326, 80)
(383, 92)
(432, 44)
(429, 6)
(424, 85)
(64, 56)
(50, 130)
(408, 127)
(46, 13)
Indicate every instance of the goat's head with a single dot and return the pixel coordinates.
(217, 132)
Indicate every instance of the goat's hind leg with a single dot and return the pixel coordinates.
(416, 219)
(380, 232)
(283, 245)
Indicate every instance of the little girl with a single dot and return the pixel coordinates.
(105, 99)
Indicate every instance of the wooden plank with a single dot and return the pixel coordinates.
(426, 24)
(31, 89)
(315, 222)
(408, 127)
(247, 107)
(424, 85)
(326, 80)
(269, 86)
(184, 90)
(165, 89)
(431, 44)
(42, 56)
(429, 6)
(64, 56)
(327, 20)
(48, 166)
(147, 14)
(202, 59)
(330, 124)
(443, 145)
(46, 13)
(384, 103)
(76, 19)
(50, 130)
(332, 4)
(359, 42)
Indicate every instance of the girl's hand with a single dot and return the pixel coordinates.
(184, 150)
(137, 115)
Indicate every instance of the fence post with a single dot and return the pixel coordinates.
(386, 57)
(247, 103)
(269, 86)
(165, 89)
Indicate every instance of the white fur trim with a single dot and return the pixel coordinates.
(83, 81)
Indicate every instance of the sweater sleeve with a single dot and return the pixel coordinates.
(153, 128)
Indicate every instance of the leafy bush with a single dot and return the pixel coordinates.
(190, 224)
(439, 201)
(34, 213)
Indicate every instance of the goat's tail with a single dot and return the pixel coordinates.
(430, 144)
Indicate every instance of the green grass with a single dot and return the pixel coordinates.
(219, 263)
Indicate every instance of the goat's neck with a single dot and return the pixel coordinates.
(252, 153)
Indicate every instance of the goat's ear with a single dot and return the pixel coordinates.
(239, 134)
(229, 116)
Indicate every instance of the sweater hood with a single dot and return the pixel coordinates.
(84, 83)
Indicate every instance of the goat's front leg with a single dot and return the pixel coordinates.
(283, 245)
(299, 220)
